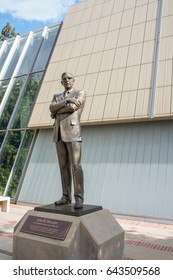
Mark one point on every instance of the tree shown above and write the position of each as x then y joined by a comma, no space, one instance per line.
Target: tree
7,32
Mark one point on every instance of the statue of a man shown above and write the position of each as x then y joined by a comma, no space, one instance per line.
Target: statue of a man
66,109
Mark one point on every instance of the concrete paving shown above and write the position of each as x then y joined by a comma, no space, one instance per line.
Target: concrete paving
143,240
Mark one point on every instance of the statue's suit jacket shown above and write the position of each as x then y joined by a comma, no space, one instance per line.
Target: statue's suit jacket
67,115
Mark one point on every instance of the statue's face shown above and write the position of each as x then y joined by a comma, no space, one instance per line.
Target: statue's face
67,81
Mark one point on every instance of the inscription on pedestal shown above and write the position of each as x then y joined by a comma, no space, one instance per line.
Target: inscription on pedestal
46,227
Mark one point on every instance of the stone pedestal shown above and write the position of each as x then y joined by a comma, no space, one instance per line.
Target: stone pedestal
92,236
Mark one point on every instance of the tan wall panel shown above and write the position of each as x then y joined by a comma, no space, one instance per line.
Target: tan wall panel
88,45
92,28
166,48
82,30
127,105
137,33
111,39
36,115
163,101
131,78
140,14
50,73
135,54
117,80
77,48
145,78
86,110
96,13
166,23
45,117
44,92
167,7
108,106
107,8
55,88
150,30
107,60
103,25
127,18
142,103
99,42
102,83
148,52
124,37
97,108
94,63
86,15
129,4
120,59
82,65
90,83
61,67
152,11
118,6
164,73
115,21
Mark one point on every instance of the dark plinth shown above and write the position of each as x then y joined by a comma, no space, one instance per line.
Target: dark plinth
68,209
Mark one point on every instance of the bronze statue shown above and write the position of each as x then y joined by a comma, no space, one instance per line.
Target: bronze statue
66,109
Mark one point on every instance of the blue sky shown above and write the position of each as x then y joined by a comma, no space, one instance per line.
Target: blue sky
30,15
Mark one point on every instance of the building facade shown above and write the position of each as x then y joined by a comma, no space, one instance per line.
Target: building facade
120,52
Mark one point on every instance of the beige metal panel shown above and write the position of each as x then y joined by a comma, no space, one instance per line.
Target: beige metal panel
150,30
77,48
86,15
163,101
127,104
36,115
164,73
66,51
102,83
148,52
79,82
124,37
63,36
96,12
88,45
140,14
103,24
109,106
72,65
44,92
117,80
152,11
86,110
135,54
56,56
90,83
89,3
94,63
50,72
76,18
92,28
129,4
167,8
82,65
131,80
61,67
99,42
115,21
97,108
127,18
166,23
55,88
111,39
120,59
45,118
82,30
142,103
118,6
107,8
143,2
145,79
166,51
107,60
138,32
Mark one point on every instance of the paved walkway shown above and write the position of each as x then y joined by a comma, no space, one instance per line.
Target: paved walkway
143,240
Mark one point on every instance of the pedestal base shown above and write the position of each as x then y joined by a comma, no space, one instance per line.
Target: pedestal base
94,236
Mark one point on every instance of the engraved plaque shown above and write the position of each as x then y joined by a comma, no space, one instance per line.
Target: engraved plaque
46,227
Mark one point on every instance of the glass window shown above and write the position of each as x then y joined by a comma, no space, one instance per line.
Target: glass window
45,49
19,165
15,57
2,135
5,53
31,54
8,155
10,104
3,87
26,104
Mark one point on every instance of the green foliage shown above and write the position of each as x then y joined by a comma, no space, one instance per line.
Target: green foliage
7,32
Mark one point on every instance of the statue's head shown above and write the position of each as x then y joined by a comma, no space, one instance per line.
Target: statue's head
67,80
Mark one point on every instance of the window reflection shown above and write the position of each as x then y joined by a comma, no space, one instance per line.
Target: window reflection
26,104
5,53
10,104
8,156
2,135
19,165
31,54
15,57
3,87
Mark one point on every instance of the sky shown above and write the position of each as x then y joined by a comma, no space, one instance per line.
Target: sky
31,15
